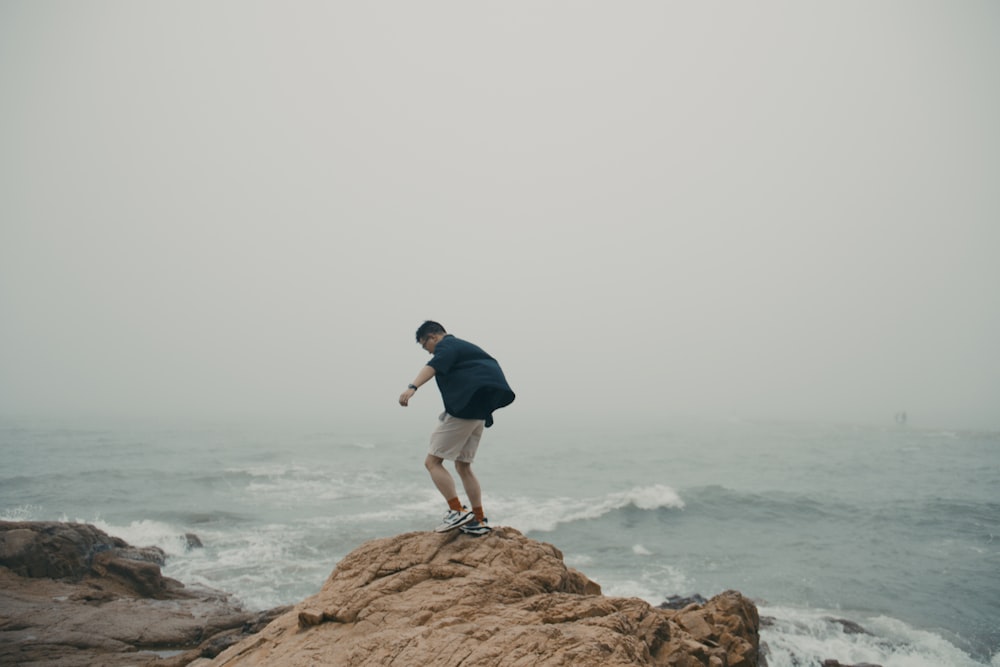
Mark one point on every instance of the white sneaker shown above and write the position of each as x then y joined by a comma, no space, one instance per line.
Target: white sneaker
476,528
453,519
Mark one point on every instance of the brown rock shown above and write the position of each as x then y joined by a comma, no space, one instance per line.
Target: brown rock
72,595
313,617
51,549
142,577
446,599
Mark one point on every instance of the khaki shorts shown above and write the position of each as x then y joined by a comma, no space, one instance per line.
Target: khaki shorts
456,439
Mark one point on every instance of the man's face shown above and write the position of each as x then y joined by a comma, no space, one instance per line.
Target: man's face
430,341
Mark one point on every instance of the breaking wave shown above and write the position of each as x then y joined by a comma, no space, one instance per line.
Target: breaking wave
545,515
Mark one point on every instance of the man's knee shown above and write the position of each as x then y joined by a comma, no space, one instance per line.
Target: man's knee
432,462
463,468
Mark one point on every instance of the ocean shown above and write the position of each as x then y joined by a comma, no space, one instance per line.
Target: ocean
893,528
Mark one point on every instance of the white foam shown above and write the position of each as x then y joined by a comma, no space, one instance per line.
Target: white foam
648,498
640,550
428,504
545,515
145,533
627,588
21,513
288,485
809,636
578,560
654,584
262,567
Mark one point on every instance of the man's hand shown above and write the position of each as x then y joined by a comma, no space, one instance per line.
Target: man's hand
404,398
425,374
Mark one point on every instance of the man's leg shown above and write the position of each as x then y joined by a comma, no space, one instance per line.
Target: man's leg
469,482
442,479
457,515
463,466
478,526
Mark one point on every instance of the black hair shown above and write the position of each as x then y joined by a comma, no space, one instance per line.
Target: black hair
427,328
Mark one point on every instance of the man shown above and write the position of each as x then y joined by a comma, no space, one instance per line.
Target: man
472,387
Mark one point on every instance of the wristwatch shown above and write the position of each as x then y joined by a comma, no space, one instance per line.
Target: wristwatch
411,386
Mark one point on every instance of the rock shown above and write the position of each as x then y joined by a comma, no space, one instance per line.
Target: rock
312,617
73,595
146,554
74,552
678,602
834,663
51,549
192,541
440,600
142,577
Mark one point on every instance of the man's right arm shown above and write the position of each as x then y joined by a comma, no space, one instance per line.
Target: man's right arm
424,376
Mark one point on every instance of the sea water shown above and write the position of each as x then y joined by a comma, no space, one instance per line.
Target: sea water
826,527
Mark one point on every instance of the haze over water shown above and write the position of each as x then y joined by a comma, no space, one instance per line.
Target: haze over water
245,209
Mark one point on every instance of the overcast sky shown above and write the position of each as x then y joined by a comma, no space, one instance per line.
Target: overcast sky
752,210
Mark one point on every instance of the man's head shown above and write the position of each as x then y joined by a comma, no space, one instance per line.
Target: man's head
429,334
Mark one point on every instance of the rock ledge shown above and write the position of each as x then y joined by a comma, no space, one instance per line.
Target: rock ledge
440,600
72,596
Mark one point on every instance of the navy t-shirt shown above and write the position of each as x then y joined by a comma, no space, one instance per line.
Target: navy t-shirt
471,382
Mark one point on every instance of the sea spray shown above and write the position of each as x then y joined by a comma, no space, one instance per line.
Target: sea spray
145,533
529,514
809,636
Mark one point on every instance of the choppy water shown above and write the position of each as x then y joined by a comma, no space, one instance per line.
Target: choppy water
897,529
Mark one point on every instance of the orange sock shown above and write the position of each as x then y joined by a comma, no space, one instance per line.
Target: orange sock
479,513
455,504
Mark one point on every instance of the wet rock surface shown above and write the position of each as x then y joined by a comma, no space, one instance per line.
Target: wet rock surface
72,595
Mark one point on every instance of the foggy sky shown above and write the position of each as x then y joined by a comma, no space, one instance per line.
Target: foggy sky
655,209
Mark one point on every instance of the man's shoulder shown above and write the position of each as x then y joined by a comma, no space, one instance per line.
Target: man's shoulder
451,340
452,349
465,346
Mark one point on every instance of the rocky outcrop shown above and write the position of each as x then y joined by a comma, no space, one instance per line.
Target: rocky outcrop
449,599
69,551
72,595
